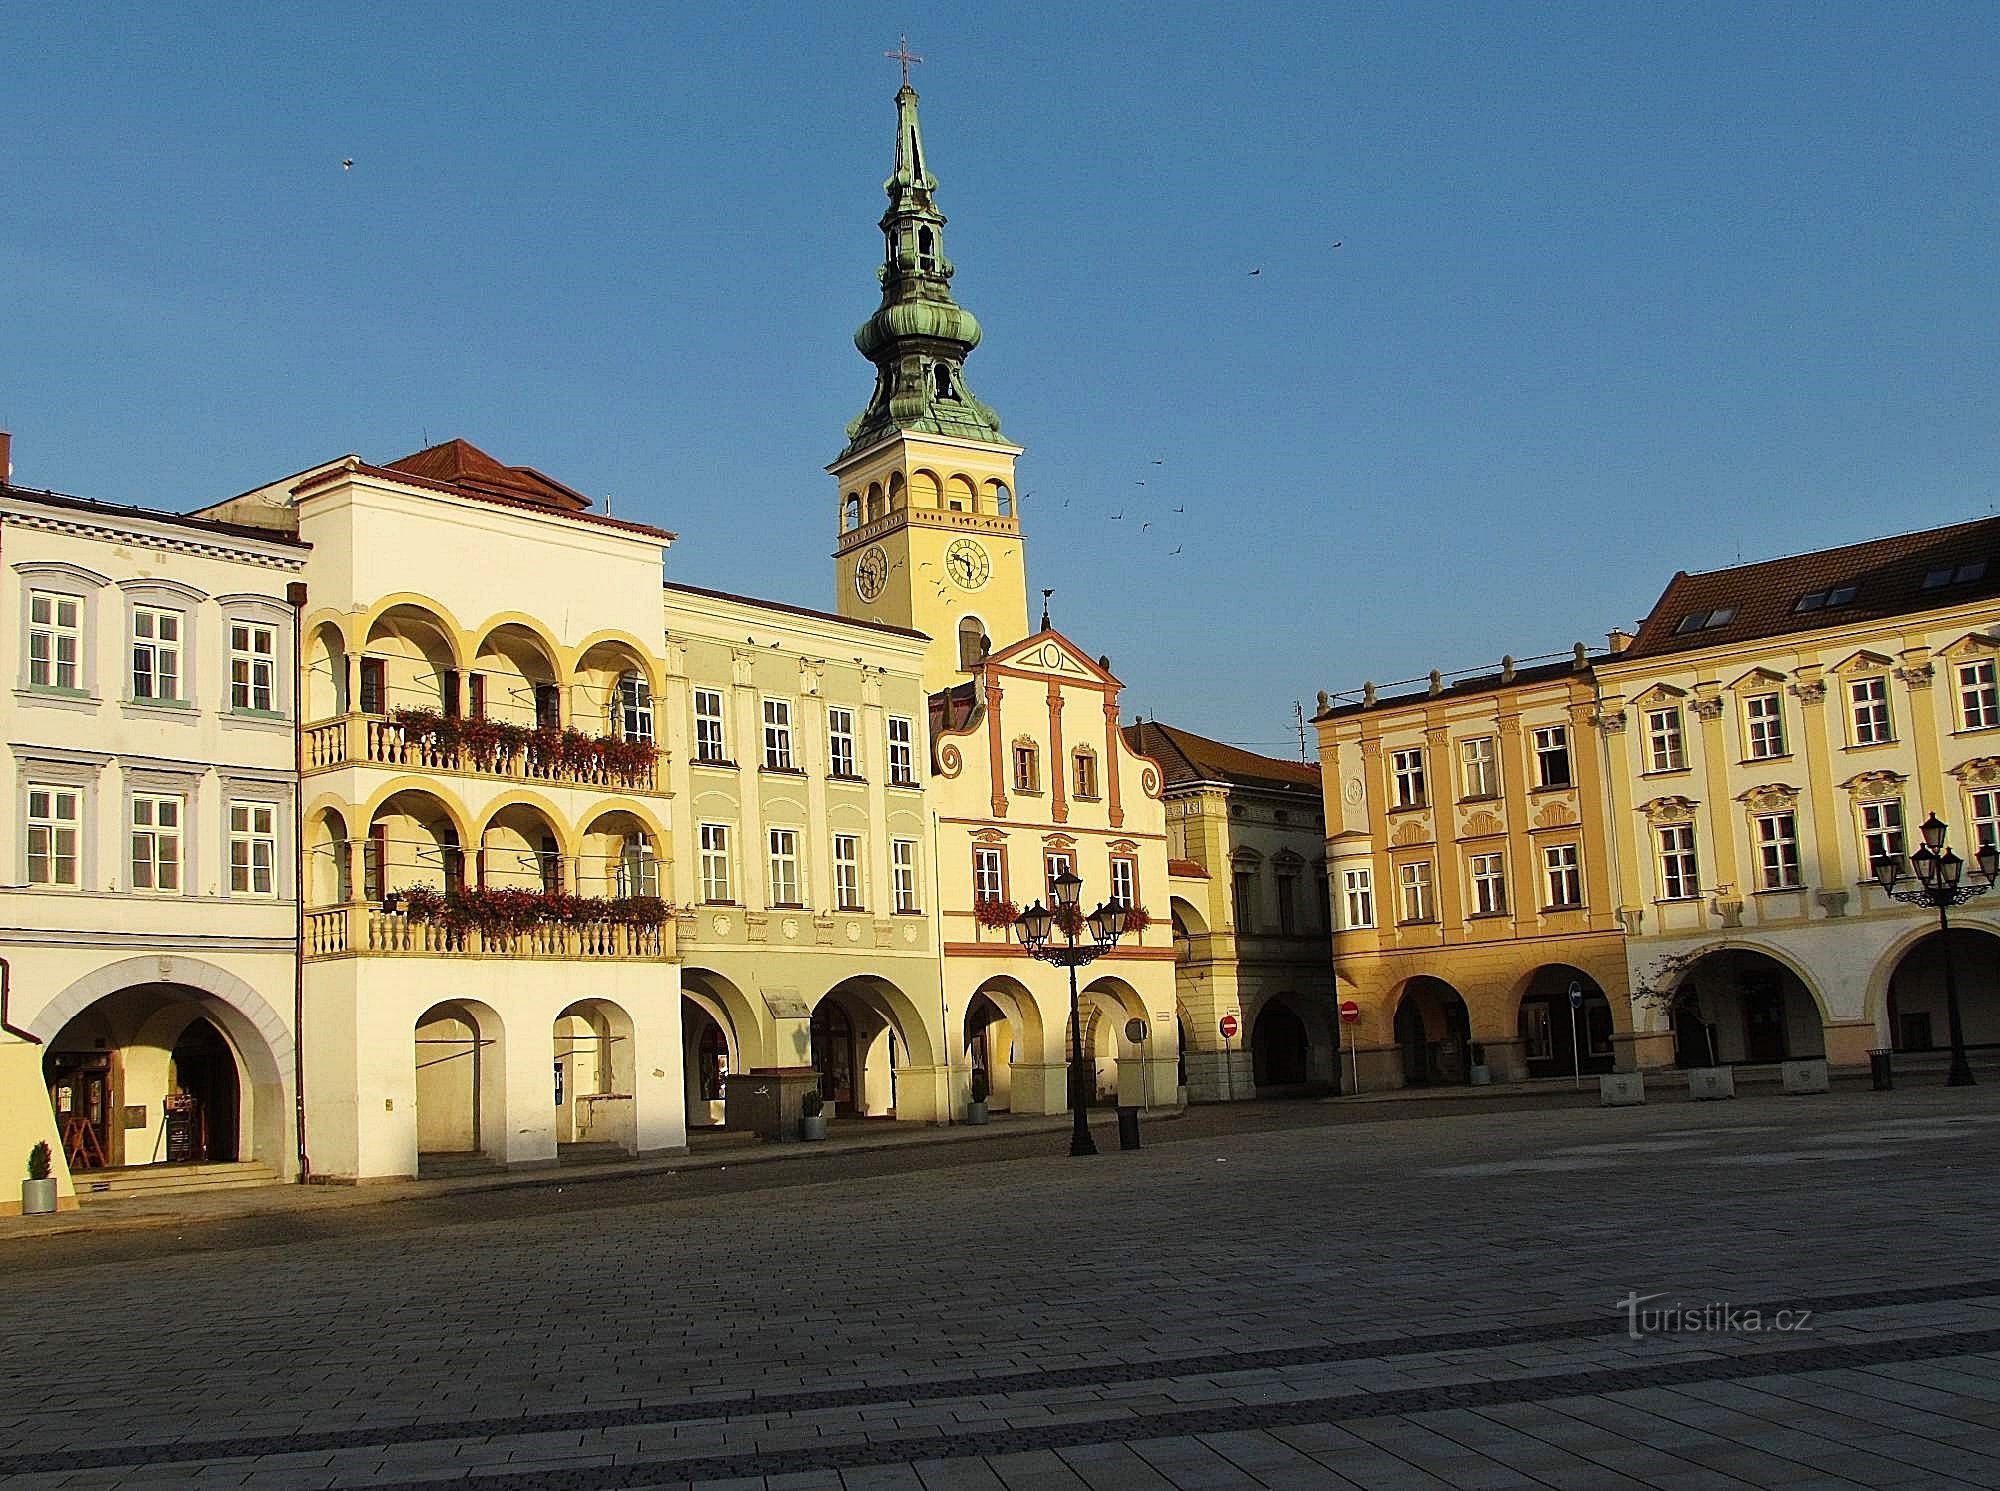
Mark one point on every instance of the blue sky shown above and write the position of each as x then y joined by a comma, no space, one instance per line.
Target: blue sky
1622,289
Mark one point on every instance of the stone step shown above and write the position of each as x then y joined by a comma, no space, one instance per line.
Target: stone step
443,1166
128,1181
591,1152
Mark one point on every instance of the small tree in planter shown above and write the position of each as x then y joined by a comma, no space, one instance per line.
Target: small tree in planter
38,1191
1663,988
976,1110
812,1115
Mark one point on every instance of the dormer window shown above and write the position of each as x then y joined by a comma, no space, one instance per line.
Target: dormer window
1963,574
1826,600
1705,621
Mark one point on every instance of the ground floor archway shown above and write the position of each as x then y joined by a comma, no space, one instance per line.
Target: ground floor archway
1280,1049
863,1034
1433,1033
1738,1005
708,1056
1917,1008
461,1080
594,1088
1565,1024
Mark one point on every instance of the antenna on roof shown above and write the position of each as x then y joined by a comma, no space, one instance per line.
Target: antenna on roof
1299,714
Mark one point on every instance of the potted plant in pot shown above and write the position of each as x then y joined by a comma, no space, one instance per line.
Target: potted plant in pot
812,1115
38,1191
975,1111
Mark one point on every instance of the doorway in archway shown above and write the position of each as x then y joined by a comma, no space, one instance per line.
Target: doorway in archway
1280,1050
833,1055
1434,1030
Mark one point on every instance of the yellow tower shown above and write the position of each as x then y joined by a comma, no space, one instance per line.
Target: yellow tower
929,526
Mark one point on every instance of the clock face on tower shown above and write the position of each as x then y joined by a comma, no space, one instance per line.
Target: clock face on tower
967,564
871,573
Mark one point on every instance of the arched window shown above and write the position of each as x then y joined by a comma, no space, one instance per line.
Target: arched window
925,247
851,514
874,501
942,373
898,498
972,643
1003,500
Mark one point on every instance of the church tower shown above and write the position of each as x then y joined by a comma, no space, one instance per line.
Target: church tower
929,527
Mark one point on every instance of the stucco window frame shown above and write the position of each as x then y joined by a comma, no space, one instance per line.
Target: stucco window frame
185,601
728,857
250,609
911,781
165,781
52,767
799,866
60,577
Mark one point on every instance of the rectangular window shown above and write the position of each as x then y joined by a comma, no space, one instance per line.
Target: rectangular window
1764,726
846,872
1869,699
1552,756
840,757
785,867
1679,880
1124,880
1881,832
1666,749
55,640
156,843
1408,767
1288,905
156,653
1978,695
709,741
715,863
253,848
253,667
903,873
778,734
1055,865
1478,766
1086,775
1537,1031
1027,769
635,708
902,757
1413,880
1243,894
989,875
53,816
374,686
1489,884
1778,850
1357,891
1564,870
1985,819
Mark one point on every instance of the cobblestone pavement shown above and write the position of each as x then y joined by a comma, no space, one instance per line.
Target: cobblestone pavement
1273,1298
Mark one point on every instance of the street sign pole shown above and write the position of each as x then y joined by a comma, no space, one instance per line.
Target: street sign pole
1575,1048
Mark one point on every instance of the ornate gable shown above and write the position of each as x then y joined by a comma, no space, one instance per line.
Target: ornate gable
1052,653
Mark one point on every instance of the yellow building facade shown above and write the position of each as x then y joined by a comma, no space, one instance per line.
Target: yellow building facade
1471,879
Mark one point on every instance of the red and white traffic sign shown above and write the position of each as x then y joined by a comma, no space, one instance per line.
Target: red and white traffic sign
1229,1027
1349,1011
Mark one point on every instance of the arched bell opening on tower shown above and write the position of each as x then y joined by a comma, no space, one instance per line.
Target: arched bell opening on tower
941,375
973,643
926,251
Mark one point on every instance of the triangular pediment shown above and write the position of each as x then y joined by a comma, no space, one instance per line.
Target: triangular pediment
1758,681
1052,653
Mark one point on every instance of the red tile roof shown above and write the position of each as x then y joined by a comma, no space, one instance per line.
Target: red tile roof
481,489
1888,577
1187,757
461,464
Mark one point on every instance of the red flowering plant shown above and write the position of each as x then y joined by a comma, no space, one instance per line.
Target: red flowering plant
993,913
1137,919
506,912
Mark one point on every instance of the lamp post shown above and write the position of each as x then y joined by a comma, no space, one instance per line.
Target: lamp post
1106,925
1938,873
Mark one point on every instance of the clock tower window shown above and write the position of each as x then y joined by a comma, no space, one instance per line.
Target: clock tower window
973,643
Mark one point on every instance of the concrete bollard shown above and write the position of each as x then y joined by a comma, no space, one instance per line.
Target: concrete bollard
1621,1089
1706,1084
1802,1077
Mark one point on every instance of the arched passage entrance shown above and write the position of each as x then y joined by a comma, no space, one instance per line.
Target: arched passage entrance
1280,1050
1918,1019
1558,1038
188,1070
863,1033
595,1102
461,1081
1434,1030
1736,1004
1003,1026
1115,1069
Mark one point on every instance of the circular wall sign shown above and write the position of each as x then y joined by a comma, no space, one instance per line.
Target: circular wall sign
1229,1027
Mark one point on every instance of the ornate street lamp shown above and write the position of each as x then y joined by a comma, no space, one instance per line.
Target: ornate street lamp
1938,874
1105,925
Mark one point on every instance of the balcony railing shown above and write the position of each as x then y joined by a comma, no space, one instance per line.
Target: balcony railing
369,932
370,739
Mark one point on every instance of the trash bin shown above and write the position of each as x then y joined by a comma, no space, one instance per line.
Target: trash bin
1128,1128
1879,1070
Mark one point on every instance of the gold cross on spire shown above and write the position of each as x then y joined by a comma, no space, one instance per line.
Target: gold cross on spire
903,55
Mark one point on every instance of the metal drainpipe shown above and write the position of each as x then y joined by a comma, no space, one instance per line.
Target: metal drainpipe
936,920
6,987
296,594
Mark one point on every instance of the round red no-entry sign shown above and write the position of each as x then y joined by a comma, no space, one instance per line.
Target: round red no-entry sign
1229,1027
1349,1011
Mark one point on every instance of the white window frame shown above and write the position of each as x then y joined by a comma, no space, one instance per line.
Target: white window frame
715,867
1679,867
157,843
1777,836
1666,740
1551,747
1357,891
989,873
847,873
253,670
1978,694
1869,718
634,696
1414,892
1054,863
1406,769
1764,726
1478,768
161,654
253,847
778,735
1488,875
902,751
1983,811
1562,875
53,828
1125,879
711,736
1881,832
51,632
785,887
903,875
843,757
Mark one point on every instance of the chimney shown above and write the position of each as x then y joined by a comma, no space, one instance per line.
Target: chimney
1618,639
6,459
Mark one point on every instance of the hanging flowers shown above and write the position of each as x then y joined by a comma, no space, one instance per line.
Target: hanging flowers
507,912
993,913
544,750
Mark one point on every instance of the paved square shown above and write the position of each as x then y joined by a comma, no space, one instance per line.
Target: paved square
1397,1295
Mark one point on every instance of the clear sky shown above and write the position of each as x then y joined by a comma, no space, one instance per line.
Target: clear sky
1621,288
